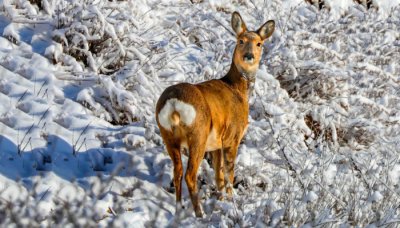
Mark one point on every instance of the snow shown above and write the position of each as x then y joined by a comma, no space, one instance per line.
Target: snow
79,143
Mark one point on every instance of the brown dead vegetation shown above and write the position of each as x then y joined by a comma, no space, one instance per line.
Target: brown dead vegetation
368,4
356,132
320,4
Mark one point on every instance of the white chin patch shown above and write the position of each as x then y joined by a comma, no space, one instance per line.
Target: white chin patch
186,111
249,61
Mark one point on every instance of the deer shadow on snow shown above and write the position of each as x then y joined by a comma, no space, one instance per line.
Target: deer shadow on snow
60,158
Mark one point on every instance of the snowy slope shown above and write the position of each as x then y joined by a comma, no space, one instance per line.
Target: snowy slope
79,144
51,144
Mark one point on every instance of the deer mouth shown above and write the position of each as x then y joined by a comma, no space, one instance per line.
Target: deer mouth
248,58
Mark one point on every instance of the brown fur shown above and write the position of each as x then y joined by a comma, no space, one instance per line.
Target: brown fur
221,116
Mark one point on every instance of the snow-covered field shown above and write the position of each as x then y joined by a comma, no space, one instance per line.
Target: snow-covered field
79,144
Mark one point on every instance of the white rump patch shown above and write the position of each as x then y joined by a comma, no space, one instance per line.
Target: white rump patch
186,112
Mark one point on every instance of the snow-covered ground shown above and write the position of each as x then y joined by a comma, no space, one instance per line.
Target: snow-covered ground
79,144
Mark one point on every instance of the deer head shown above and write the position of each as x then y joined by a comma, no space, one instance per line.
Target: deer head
248,49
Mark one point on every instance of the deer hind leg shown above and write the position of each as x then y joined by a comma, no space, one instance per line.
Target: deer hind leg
174,153
230,157
218,165
196,155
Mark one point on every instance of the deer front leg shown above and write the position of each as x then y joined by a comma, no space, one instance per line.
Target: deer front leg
230,157
218,165
196,155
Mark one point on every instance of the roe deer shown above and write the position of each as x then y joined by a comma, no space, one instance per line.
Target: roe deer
212,115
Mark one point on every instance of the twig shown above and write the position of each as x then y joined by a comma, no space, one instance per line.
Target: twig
111,211
230,31
29,140
282,149
397,221
84,140
45,93
19,145
78,79
25,21
326,190
290,15
22,96
80,135
376,179
44,194
41,87
44,114
356,168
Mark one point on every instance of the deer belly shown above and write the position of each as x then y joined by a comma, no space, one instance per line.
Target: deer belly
213,141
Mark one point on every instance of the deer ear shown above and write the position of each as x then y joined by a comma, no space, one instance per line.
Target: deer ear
266,29
238,24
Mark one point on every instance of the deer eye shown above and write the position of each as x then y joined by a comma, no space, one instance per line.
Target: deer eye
258,44
241,42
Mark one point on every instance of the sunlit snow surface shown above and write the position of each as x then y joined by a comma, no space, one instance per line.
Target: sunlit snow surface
322,147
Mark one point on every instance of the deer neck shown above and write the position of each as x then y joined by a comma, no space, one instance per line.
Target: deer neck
241,80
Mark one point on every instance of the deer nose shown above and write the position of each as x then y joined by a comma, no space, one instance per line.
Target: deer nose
248,57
